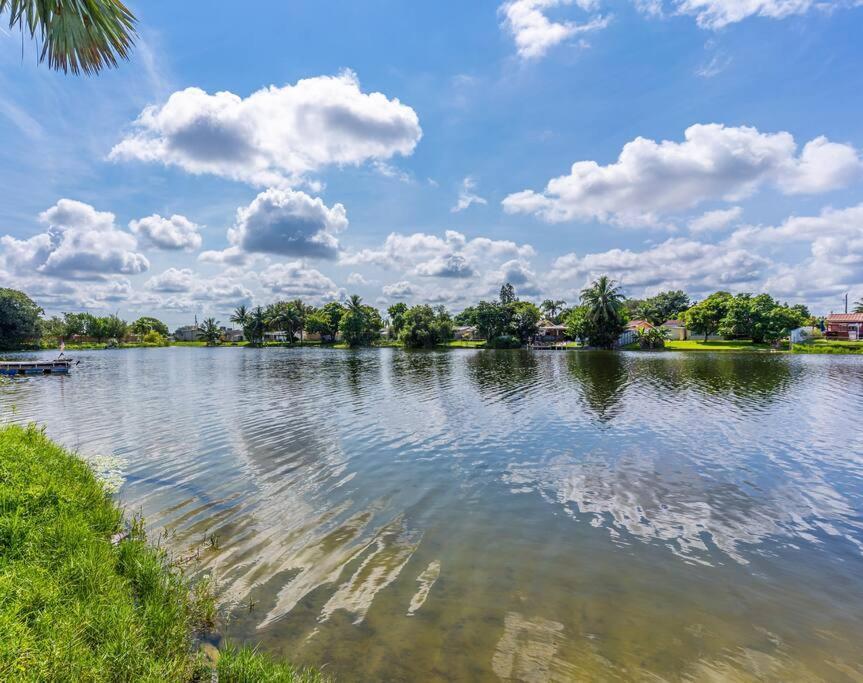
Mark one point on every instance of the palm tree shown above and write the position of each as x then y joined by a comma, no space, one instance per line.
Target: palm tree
76,35
552,307
604,303
603,299
257,323
858,306
210,331
355,304
302,313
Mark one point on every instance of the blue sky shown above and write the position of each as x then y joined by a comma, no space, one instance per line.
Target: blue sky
430,151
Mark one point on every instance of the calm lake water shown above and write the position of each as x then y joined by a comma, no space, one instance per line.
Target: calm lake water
481,515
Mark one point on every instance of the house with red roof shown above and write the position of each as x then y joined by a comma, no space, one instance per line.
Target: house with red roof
845,326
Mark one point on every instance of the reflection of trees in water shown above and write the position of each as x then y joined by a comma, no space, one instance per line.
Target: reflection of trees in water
730,376
417,370
502,371
602,377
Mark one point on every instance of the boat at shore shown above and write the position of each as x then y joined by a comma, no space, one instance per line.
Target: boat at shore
58,366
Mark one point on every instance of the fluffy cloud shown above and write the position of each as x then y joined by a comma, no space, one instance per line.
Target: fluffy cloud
276,135
676,263
835,263
296,279
286,223
399,290
453,256
535,34
715,220
176,232
172,280
651,178
80,243
715,14
467,196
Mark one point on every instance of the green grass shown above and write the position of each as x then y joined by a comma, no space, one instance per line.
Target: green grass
721,345
829,346
464,344
74,606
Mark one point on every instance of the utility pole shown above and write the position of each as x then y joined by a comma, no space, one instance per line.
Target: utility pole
846,302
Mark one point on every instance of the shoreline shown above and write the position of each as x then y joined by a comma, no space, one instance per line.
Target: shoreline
87,596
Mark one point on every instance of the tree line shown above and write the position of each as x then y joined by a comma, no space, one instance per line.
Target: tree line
598,320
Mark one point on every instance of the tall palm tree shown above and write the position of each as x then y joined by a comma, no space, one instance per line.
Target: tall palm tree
258,323
552,307
858,306
302,314
76,35
210,331
603,299
355,304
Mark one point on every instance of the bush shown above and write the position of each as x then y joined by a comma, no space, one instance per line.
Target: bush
153,338
504,341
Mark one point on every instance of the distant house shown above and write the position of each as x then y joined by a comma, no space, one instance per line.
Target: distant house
634,325
230,335
187,333
675,329
276,336
845,326
549,331
464,333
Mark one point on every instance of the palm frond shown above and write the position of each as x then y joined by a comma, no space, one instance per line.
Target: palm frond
76,35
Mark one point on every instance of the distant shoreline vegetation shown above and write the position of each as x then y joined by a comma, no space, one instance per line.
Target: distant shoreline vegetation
603,318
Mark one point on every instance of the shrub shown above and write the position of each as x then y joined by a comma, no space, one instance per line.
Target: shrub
503,341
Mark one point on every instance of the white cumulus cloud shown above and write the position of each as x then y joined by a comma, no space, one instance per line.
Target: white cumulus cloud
276,135
535,34
79,243
467,196
176,232
651,179
710,221
296,279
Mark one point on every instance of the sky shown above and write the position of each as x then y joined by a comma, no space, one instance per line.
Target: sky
427,152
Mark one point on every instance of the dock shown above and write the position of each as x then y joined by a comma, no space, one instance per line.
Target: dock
548,346
59,366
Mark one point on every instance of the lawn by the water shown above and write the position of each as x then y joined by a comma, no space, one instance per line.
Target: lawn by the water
718,345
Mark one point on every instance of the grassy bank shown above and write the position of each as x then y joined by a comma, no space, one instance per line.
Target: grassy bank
719,345
829,346
74,605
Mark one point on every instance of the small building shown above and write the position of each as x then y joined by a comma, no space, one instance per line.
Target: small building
549,331
187,333
464,333
845,326
230,335
276,336
635,325
675,329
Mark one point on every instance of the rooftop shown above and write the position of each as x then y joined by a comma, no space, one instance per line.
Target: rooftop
845,318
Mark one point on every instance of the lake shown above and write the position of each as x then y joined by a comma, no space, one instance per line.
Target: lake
487,515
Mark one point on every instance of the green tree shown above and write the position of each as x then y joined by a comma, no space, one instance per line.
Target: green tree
706,316
605,312
396,312
858,306
466,317
257,326
153,338
75,324
114,327
76,35
507,294
360,325
577,323
146,324
523,320
553,308
664,306
425,327
760,318
491,319
325,321
19,319
651,337
210,332
242,317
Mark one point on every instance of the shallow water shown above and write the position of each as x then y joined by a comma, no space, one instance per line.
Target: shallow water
480,515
